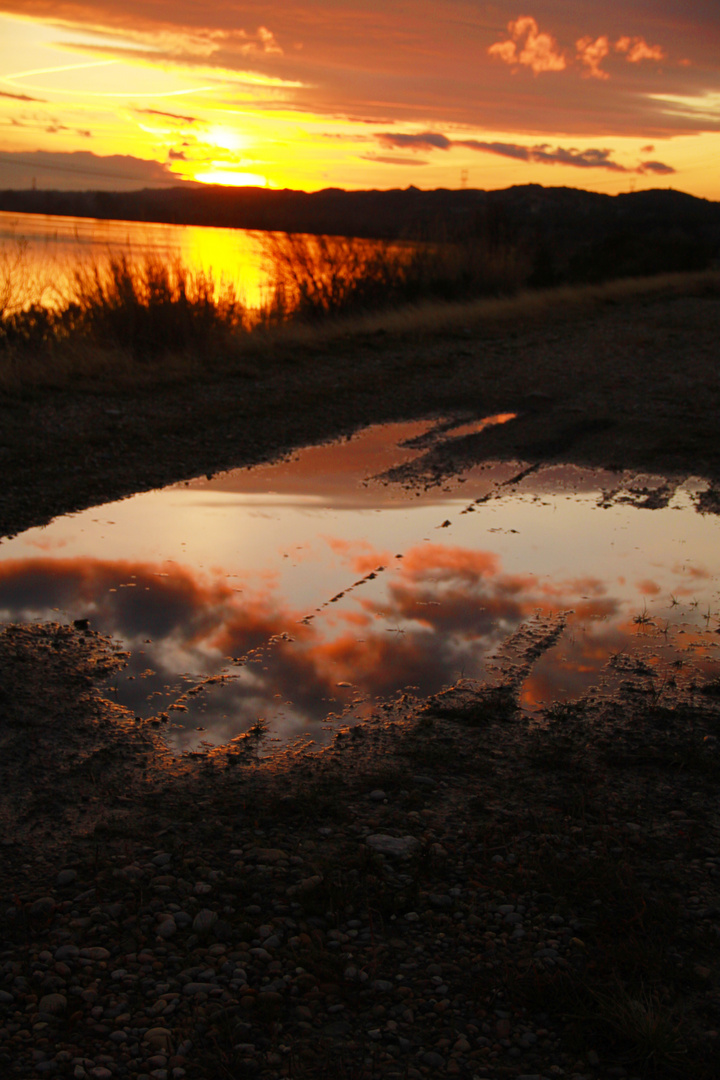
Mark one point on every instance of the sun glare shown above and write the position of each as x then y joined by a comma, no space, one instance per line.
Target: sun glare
226,138
232,179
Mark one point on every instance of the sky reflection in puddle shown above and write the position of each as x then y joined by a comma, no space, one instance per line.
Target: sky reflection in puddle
304,593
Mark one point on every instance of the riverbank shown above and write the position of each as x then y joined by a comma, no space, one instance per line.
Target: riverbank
452,889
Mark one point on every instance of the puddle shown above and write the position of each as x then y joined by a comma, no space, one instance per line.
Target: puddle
306,593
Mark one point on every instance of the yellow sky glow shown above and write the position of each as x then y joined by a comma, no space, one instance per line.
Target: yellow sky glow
229,106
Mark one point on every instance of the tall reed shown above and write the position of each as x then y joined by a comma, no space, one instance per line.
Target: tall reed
313,277
151,309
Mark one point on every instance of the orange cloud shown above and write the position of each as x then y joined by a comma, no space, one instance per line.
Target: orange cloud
529,48
637,49
359,554
591,54
648,587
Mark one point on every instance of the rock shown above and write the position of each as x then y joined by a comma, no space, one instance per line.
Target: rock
270,855
424,781
305,886
53,1004
400,846
95,953
159,1038
269,1001
66,952
167,928
66,877
204,921
42,908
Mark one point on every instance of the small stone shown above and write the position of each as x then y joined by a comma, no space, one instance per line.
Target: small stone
270,855
66,952
377,795
42,908
65,877
269,1000
53,1004
167,928
159,1038
204,921
400,846
95,953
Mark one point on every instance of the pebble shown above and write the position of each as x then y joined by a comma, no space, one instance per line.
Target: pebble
401,846
307,948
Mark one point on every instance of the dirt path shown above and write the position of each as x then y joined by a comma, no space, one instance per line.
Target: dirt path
634,385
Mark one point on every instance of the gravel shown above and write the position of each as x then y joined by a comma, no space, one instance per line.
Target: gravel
314,950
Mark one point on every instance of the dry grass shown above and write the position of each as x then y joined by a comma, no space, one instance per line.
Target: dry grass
125,325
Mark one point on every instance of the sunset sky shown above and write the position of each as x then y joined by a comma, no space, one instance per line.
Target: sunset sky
308,94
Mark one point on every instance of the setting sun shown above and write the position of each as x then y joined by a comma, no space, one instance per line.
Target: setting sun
230,178
226,138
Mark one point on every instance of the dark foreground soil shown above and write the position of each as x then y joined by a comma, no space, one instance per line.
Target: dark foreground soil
450,889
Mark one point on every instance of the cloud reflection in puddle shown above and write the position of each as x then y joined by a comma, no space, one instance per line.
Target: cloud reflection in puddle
307,594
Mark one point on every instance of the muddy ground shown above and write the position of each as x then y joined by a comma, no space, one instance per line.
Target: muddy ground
631,386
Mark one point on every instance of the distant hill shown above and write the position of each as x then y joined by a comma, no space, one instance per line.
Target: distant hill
568,233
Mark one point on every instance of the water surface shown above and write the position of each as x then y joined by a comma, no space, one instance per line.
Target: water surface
309,591
40,252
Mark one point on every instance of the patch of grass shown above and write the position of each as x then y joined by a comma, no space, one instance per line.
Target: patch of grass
648,1031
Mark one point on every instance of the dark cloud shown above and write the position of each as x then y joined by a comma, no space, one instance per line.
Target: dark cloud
428,140
656,167
394,160
511,150
168,115
541,154
82,170
581,159
19,97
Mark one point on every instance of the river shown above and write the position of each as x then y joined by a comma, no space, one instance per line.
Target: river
40,253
